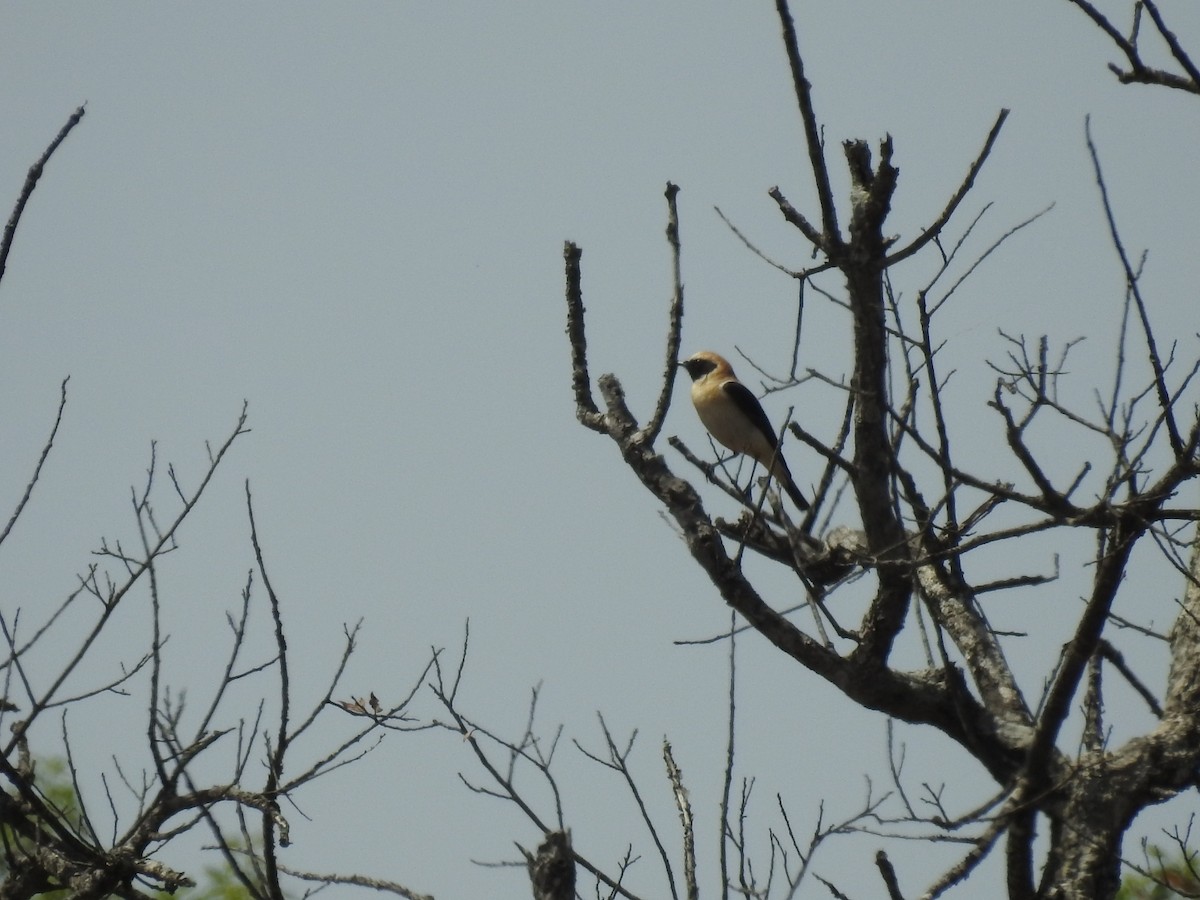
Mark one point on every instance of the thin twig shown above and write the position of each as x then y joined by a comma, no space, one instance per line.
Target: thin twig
37,469
829,239
1160,384
936,228
31,180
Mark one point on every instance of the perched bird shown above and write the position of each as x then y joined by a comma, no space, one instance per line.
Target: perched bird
733,415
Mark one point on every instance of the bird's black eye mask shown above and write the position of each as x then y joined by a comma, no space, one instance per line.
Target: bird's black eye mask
698,368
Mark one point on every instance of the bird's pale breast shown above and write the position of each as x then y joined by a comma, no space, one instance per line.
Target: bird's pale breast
724,420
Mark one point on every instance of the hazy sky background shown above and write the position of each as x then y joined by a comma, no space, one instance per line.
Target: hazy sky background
353,215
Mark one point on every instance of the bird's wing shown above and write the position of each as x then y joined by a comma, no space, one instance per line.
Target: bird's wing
749,405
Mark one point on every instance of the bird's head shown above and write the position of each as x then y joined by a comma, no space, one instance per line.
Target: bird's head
705,363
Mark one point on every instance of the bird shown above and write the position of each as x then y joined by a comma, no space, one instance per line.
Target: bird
733,415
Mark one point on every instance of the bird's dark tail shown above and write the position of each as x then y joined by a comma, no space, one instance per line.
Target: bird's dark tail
784,476
794,493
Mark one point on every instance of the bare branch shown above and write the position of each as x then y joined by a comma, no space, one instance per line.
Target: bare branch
585,407
829,240
683,804
277,753
31,180
1177,51
37,469
934,230
1139,72
375,884
654,426
1164,397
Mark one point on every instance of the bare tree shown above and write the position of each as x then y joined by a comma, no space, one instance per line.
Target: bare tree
113,844
914,514
901,516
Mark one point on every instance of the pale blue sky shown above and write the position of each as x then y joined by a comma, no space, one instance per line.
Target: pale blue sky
352,216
